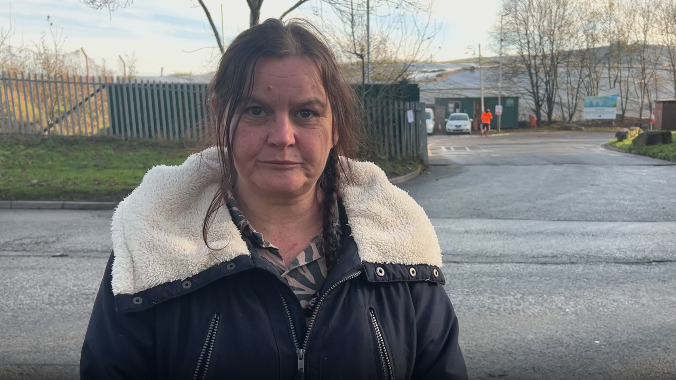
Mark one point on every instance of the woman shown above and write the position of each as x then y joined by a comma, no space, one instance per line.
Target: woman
308,265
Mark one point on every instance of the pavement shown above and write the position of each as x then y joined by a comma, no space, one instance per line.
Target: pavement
559,258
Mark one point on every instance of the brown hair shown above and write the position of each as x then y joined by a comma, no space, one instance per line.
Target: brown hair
233,83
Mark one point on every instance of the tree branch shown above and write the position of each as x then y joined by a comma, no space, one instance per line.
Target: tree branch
213,27
298,4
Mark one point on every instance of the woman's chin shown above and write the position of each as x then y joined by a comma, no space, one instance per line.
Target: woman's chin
281,187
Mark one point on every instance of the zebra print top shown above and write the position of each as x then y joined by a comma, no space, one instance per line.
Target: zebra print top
307,272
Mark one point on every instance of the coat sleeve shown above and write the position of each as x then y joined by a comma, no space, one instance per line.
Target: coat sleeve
117,345
438,354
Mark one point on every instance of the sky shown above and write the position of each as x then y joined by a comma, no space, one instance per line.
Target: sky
173,36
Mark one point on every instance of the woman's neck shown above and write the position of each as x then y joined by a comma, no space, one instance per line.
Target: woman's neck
287,223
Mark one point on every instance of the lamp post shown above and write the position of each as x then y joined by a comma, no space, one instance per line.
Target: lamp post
500,75
481,76
481,81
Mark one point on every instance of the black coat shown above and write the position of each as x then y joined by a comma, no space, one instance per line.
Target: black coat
238,320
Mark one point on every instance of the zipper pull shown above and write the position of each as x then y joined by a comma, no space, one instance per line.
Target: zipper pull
301,362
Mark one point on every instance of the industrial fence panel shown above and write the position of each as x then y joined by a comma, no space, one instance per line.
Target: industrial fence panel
141,109
101,106
395,128
53,104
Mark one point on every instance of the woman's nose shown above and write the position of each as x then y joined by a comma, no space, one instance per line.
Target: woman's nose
282,133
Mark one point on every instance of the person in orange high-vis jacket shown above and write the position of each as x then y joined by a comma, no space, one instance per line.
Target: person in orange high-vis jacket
486,122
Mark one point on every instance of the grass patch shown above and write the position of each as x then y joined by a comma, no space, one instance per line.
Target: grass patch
79,169
662,151
100,169
395,167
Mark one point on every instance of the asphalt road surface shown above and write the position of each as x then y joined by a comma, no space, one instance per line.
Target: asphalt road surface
559,256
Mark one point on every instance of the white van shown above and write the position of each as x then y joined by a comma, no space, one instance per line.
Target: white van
429,120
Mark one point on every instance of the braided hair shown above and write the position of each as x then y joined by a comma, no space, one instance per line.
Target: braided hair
330,233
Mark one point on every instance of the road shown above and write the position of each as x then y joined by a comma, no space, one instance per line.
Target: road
559,258
560,255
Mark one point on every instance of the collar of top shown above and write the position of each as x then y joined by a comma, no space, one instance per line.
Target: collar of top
157,229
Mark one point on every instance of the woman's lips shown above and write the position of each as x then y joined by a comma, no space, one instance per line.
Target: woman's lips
281,163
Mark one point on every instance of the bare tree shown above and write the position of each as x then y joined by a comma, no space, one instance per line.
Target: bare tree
540,35
399,36
643,38
666,27
112,5
6,33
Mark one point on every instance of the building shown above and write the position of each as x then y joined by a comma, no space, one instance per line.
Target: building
472,107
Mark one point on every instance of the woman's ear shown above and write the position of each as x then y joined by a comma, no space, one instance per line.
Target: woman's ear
336,136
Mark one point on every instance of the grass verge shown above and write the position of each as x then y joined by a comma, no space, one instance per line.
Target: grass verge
395,167
79,169
100,169
663,151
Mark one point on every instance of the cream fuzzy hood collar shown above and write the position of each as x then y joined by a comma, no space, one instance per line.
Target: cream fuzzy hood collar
157,229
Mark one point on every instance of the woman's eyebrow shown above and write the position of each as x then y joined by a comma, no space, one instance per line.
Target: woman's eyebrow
300,103
310,102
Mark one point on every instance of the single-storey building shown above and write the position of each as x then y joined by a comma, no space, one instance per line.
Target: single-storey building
472,107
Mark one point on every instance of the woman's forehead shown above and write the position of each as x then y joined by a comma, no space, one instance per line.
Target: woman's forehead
287,71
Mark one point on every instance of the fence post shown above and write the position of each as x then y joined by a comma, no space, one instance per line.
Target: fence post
27,123
91,99
7,127
156,103
105,104
208,112
76,81
98,93
143,118
162,100
181,109
423,138
34,128
18,101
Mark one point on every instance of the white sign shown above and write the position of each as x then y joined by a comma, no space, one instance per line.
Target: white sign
498,110
612,91
600,107
409,114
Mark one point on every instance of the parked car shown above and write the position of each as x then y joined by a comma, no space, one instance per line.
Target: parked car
429,120
459,123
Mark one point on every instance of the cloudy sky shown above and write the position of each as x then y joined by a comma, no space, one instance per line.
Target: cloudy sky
175,35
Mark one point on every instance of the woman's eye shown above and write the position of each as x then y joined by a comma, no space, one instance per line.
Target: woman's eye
306,114
256,111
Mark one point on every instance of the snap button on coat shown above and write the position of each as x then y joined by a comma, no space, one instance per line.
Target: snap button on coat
380,271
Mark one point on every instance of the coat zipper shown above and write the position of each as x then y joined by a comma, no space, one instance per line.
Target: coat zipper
388,373
300,351
205,355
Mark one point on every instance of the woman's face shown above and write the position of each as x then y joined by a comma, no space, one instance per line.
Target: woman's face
285,132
